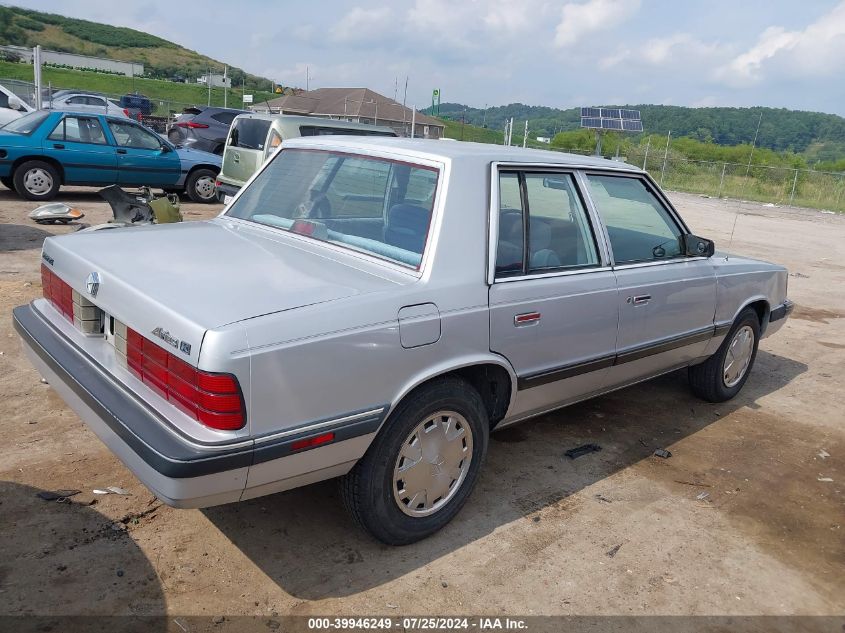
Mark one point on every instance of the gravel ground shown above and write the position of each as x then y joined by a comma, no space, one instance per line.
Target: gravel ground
616,532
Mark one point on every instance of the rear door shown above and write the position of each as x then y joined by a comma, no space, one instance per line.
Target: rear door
142,158
244,151
553,309
666,300
80,145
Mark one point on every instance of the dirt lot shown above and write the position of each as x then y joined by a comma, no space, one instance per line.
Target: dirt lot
615,532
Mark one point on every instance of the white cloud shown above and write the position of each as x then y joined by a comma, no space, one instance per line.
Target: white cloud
361,25
818,49
661,50
582,19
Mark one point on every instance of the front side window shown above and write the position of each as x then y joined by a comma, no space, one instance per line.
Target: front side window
543,211
134,136
76,129
375,205
639,226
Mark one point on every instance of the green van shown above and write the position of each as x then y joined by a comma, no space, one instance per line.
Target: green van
254,137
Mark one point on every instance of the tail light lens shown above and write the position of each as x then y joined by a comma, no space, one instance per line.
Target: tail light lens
212,399
57,292
126,112
191,124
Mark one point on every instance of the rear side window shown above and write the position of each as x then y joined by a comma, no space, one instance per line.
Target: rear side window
543,211
225,118
77,129
249,133
315,130
640,228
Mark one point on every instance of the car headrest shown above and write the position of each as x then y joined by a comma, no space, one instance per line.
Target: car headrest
539,234
407,225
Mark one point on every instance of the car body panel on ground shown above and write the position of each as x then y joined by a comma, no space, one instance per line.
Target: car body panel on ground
351,274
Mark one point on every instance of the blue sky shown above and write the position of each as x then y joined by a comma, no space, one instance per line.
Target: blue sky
582,52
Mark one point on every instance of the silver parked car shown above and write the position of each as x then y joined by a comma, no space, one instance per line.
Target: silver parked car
372,308
83,102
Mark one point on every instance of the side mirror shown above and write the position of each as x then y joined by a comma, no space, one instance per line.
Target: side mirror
165,149
695,246
15,103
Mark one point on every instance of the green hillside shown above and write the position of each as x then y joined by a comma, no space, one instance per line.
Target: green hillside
161,58
780,129
166,95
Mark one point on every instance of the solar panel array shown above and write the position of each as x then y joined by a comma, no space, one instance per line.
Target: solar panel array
611,119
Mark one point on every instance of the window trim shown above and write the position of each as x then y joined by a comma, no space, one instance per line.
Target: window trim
655,190
64,139
593,222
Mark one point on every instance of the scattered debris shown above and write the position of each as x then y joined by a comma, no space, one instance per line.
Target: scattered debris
662,452
392,606
112,490
612,551
218,619
799,275
826,479
120,573
703,496
44,381
57,495
602,499
536,519
697,484
180,625
61,568
641,441
444,584
580,451
824,454
274,625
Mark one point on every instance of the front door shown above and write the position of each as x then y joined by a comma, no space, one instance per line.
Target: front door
553,309
142,157
80,146
666,300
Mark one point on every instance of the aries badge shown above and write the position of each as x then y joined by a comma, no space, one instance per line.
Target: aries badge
92,284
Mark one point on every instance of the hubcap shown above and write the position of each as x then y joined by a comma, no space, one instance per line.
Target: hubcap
739,356
432,463
37,181
204,187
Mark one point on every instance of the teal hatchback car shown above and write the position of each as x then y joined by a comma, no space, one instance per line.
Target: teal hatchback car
43,150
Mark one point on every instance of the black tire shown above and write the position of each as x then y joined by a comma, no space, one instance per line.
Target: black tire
196,188
707,380
367,490
48,177
8,182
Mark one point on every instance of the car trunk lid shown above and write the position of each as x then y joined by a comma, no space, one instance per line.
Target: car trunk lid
182,279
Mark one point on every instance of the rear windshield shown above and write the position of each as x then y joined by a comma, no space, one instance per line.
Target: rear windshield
249,133
26,124
315,130
379,206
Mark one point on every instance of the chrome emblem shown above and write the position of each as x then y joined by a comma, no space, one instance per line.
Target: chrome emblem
92,284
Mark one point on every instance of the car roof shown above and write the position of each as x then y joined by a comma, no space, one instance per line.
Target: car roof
439,150
313,120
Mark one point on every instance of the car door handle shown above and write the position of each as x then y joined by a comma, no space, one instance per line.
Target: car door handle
639,300
121,151
58,146
528,318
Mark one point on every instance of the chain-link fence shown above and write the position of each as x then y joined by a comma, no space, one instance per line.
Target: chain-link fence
155,113
776,185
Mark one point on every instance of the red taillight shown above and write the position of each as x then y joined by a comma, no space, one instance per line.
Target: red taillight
213,399
57,292
191,124
126,112
311,442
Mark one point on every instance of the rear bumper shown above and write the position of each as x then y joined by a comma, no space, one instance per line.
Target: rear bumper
180,471
225,189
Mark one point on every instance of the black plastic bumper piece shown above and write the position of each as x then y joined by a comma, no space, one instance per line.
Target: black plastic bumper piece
782,311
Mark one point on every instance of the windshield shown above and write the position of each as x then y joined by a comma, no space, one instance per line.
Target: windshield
26,124
379,206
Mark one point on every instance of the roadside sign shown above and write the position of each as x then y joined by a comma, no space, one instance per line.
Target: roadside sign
247,98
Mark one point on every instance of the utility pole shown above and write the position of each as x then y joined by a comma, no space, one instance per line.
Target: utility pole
665,155
36,67
525,134
463,121
225,86
753,143
484,117
208,81
413,121
307,79
648,145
